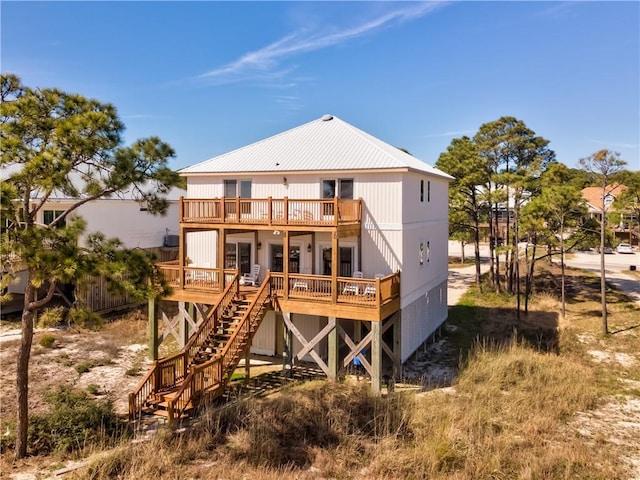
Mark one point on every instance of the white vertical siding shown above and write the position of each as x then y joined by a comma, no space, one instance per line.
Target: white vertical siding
123,219
421,318
202,248
264,341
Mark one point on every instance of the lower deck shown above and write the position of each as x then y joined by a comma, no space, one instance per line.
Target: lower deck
370,299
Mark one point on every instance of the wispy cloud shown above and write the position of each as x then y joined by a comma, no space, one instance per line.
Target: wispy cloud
558,10
266,61
144,116
448,134
614,144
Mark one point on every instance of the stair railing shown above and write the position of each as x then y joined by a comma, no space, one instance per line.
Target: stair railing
208,380
169,371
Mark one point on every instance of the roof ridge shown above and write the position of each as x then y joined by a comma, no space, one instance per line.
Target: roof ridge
369,139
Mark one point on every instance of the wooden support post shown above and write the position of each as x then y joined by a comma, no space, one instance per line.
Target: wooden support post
222,239
397,346
333,350
247,363
153,329
182,255
187,323
376,357
313,254
335,267
287,346
285,263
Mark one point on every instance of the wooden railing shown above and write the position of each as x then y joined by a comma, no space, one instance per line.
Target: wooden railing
270,211
194,278
350,291
209,379
170,371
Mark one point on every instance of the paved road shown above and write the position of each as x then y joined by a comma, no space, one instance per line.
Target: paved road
461,278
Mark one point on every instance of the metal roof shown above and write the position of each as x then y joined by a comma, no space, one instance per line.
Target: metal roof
6,171
325,144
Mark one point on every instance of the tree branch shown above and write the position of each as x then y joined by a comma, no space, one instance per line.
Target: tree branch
42,302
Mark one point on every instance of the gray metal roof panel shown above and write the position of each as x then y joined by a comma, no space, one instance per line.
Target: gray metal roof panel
320,145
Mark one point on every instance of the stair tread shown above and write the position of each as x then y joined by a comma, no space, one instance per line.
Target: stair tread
212,346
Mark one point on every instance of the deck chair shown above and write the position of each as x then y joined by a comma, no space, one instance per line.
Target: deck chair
300,285
370,290
352,288
251,278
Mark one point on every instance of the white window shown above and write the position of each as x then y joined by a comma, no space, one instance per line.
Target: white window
50,215
345,188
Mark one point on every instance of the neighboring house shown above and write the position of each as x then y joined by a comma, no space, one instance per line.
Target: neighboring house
120,216
622,228
349,232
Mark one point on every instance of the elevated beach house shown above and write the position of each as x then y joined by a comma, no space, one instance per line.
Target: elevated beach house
319,244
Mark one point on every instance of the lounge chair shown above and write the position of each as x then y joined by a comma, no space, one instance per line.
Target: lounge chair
251,278
353,288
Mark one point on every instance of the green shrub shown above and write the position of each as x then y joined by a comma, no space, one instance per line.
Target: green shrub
52,317
74,421
83,318
47,341
93,389
84,367
133,372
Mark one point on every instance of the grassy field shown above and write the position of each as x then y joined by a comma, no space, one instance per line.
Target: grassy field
540,397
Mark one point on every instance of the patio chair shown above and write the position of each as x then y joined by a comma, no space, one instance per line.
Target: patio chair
370,290
200,276
353,288
300,285
251,278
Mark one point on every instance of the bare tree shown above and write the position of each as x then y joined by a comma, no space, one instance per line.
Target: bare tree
603,163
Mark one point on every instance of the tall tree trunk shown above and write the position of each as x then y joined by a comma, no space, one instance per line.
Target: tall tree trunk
516,262
476,242
529,282
603,280
562,286
497,262
462,250
492,246
22,376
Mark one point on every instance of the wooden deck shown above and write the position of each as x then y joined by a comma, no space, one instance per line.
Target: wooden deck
342,215
345,297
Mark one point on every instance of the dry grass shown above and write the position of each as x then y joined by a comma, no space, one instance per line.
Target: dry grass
532,401
506,419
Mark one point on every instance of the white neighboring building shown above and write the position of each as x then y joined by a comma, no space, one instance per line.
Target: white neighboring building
122,217
402,227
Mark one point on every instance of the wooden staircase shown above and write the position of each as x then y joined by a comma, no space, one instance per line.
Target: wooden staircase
201,371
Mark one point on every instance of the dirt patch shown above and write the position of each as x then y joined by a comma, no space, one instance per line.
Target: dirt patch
621,358
107,360
617,423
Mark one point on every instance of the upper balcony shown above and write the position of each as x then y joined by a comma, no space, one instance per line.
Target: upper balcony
286,213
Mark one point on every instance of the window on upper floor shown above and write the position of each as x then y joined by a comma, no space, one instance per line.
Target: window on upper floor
50,215
422,190
608,200
428,190
235,188
345,188
345,191
231,189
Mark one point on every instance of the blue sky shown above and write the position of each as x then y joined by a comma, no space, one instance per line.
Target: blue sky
209,77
